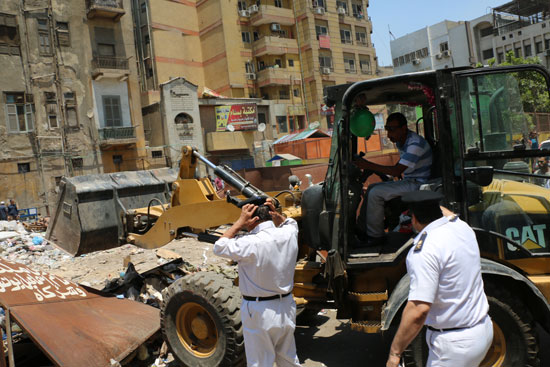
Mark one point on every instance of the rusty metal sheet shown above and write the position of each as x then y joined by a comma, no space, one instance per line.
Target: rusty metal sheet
72,324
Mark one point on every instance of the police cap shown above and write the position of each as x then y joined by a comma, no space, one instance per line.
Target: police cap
422,201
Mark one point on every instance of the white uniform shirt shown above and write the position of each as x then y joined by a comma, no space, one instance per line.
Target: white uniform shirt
446,272
266,257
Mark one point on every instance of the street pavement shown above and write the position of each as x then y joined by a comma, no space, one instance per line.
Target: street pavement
330,342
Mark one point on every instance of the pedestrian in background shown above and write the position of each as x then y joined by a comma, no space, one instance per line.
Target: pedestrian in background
446,289
3,211
267,258
542,169
219,184
13,213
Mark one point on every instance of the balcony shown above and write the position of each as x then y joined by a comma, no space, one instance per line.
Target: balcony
225,140
267,14
110,67
117,136
110,9
271,45
277,76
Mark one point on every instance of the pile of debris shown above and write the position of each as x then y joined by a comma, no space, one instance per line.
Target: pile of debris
127,272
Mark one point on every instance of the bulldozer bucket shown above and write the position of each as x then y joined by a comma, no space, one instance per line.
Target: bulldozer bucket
88,215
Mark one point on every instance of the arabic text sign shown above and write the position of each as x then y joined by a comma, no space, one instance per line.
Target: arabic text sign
19,284
240,116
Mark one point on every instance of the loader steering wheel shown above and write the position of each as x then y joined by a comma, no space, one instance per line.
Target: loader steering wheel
366,173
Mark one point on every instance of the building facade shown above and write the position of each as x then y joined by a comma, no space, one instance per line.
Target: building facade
281,51
70,95
520,26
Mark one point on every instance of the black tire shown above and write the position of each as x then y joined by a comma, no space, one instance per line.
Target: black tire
214,301
515,321
517,334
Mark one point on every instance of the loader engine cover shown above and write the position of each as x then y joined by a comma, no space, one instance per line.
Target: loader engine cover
90,209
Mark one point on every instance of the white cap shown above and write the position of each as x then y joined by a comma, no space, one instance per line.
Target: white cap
2,202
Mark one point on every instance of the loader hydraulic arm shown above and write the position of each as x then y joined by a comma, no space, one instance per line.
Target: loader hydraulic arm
244,187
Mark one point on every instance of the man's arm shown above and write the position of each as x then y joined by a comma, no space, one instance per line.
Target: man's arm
412,320
232,248
394,171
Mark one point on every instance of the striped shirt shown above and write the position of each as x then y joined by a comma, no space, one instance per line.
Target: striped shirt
416,154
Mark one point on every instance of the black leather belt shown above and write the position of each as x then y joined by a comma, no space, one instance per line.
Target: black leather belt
450,329
269,298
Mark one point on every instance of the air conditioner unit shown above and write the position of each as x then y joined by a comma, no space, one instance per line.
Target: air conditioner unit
416,62
341,11
244,13
253,9
250,76
319,10
447,53
275,27
438,56
325,71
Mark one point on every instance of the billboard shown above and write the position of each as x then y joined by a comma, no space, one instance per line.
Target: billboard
240,116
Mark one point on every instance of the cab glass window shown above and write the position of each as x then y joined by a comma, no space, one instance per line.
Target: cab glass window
501,110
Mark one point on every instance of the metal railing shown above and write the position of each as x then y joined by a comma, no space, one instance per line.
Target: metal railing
114,133
110,62
104,3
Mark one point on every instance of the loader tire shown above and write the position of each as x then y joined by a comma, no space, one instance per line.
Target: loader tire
514,342
201,321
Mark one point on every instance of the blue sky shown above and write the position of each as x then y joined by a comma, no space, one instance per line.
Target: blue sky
403,17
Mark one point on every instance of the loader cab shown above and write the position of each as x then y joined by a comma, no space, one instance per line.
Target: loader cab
475,121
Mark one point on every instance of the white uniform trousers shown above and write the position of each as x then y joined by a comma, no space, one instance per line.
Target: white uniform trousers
460,348
379,193
268,328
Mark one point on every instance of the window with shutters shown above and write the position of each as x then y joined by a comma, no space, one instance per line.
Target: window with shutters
321,30
349,63
325,62
361,35
71,116
78,163
364,64
345,36
112,111
19,112
63,36
44,41
51,109
245,37
9,37
23,167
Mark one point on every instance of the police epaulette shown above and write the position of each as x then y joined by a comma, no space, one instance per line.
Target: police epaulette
420,242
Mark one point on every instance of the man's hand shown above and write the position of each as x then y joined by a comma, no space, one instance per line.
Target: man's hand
393,361
247,218
276,217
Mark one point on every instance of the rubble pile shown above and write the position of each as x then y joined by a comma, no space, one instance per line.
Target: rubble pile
126,271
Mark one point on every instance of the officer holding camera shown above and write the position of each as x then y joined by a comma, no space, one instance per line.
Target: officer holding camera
266,257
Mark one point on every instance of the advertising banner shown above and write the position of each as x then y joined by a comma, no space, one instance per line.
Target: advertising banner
240,116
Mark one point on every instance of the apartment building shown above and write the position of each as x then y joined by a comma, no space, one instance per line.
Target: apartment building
522,26
281,51
70,96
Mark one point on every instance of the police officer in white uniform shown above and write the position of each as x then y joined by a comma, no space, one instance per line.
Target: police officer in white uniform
446,290
267,258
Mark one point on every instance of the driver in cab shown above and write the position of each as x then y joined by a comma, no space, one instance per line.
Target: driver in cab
414,165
